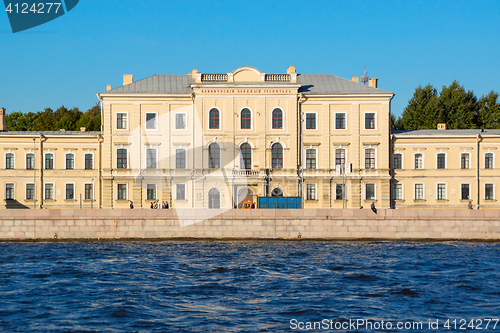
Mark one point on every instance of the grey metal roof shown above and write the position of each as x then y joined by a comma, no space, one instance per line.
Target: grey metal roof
315,84
49,133
431,132
325,84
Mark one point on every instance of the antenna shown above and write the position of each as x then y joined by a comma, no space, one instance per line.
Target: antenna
364,77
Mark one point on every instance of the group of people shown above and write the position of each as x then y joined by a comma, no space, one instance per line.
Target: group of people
159,205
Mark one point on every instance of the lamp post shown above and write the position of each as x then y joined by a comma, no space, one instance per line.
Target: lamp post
34,175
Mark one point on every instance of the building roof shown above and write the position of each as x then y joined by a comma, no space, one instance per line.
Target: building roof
452,132
314,84
48,133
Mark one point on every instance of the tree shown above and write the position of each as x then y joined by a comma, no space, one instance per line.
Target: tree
489,111
91,119
67,119
422,111
458,108
17,121
45,121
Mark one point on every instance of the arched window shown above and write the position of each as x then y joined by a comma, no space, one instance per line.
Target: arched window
246,156
277,119
277,156
277,193
214,198
246,119
214,119
214,156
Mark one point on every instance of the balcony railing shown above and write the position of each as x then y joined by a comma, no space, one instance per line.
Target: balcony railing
278,77
214,77
245,172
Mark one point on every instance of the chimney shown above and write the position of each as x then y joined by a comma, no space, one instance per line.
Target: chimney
291,69
3,124
108,87
128,79
82,129
441,126
193,73
355,79
372,82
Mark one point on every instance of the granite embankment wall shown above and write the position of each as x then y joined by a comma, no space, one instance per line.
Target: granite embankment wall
342,224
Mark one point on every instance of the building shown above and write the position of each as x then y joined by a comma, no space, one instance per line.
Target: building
216,140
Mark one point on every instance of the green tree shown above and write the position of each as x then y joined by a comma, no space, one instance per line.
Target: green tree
489,111
422,111
458,108
91,119
67,119
18,121
45,121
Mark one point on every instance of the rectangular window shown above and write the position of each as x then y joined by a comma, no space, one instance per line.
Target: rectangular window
310,158
89,161
370,191
310,120
49,191
151,158
488,161
370,158
49,161
70,161
180,121
181,191
398,191
122,192
419,191
488,191
340,121
369,120
121,158
9,191
464,161
121,121
465,194
339,191
180,159
70,191
339,156
441,195
398,161
151,192
441,161
419,161
311,192
9,161
89,191
150,120
30,191
30,161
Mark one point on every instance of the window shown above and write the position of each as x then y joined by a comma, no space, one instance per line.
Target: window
246,156
89,191
214,119
277,116
151,192
419,191
121,121
49,161
465,193
181,191
70,161
277,192
398,191
464,161
310,158
488,191
277,156
441,161
30,161
398,161
122,192
89,161
441,191
369,191
214,199
339,156
488,161
369,158
310,120
419,161
310,191
180,158
246,119
369,120
9,161
70,191
339,191
9,191
180,121
214,156
49,191
30,191
151,158
121,158
340,121
150,120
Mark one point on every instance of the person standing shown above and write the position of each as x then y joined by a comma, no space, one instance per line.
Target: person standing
470,205
131,205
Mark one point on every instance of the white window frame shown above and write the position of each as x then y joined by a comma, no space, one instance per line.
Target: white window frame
93,160
374,191
283,149
53,191
66,160
271,118
414,191
346,155
146,158
315,186
14,160
484,160
335,190
116,121
220,119
335,121
364,121
185,120
14,190
445,160
93,192
116,159
305,158
241,155
494,191
74,191
185,192
252,119
156,191
53,160
175,159
402,191
402,161
460,159
26,190
126,191
34,160
376,157
470,191
155,129
316,124
423,161
445,190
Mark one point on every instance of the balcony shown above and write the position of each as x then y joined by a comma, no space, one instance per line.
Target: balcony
246,173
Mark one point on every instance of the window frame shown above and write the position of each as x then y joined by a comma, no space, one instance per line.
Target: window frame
85,160
375,122
422,155
85,191
345,121
185,121
120,191
415,191
147,159
184,192
492,160
365,185
282,158
45,161
66,191
492,198
312,191
307,159
219,119
13,160
251,119
185,159
155,128
395,191
315,113
243,159
335,156
45,191
282,119
26,191
401,158
120,159
213,159
127,121
13,192
445,159
438,194
33,160
468,190
342,187
71,164
374,158
155,196
467,160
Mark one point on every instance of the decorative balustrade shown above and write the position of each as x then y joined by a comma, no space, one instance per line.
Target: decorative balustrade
245,172
278,77
214,77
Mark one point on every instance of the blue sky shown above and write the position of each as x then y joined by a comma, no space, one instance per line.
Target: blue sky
404,44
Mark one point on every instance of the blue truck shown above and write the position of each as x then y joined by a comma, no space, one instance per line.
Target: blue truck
280,202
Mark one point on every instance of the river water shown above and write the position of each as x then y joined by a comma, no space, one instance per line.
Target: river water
248,286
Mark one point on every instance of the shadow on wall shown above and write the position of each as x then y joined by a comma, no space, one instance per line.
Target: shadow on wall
14,204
